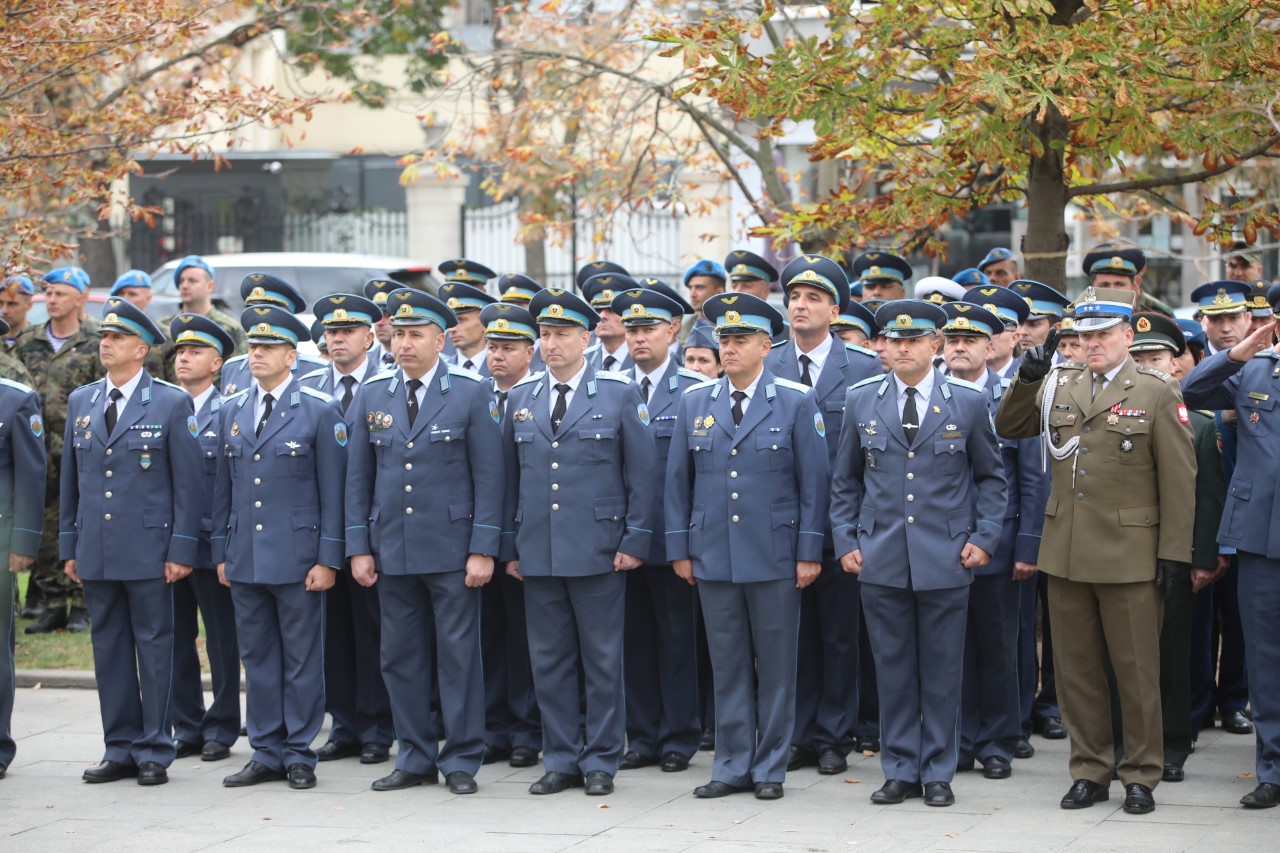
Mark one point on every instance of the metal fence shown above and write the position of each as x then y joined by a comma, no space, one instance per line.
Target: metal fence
646,243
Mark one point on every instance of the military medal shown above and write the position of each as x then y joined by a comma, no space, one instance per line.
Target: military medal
386,421
145,461
1126,445
1253,418
697,423
708,421
1113,419
235,429
1063,380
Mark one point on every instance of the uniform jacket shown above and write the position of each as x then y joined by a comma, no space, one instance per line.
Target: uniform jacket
131,500
912,509
1027,485
74,365
1211,488
22,461
12,369
747,503
577,497
664,404
236,376
161,360
421,498
595,356
278,504
208,424
1127,496
1249,521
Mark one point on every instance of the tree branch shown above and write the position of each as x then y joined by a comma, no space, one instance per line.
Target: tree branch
1172,180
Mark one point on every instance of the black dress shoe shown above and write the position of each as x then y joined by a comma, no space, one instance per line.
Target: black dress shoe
3,768
523,756
713,790
53,619
801,757
831,762
461,782
674,762
374,753
1051,728
333,750
398,780
598,783
1172,773
300,777
769,790
1138,799
1237,723
1023,749
634,761
1265,796
896,791
78,621
253,774
996,767
185,748
553,783
110,771
866,744
708,741
1083,794
938,794
152,773
494,754
214,751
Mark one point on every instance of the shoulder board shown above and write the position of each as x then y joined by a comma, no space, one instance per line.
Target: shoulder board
614,375
319,395
1070,365
215,403
1266,353
227,398
972,386
691,374
863,350
705,383
870,380
234,359
170,384
315,374
454,370
794,386
15,385
1208,413
377,377
532,377
1151,371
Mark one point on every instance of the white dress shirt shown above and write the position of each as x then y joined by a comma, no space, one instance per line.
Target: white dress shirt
924,391
572,382
126,390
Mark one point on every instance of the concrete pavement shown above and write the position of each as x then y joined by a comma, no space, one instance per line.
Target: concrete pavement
45,807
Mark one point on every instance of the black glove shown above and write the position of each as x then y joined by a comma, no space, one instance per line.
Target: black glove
1037,360
1167,573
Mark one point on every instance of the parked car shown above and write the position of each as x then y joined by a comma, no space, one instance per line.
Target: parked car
315,274
162,305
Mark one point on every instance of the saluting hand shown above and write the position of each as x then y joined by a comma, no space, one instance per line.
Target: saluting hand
1255,343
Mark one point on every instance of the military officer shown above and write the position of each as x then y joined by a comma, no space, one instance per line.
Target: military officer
1120,509
663,725
856,325
1046,306
913,532
999,267
466,301
1069,346
576,518
746,495
990,724
702,354
1108,266
1013,310
199,346
134,285
815,292
970,278
22,460
939,290
10,367
750,273
517,288
355,695
882,275
594,268
610,352
376,290
130,527
513,725
264,289
195,280
60,354
278,541
1259,308
1245,378
468,272
15,303
426,424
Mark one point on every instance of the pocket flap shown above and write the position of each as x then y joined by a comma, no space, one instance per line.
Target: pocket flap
611,509
874,442
773,441
664,429
137,442
154,517
948,445
784,515
382,438
959,521
459,511
1131,426
700,442
448,431
233,448
1051,507
1266,405
1139,516
599,433
293,448
1241,489
525,436
306,518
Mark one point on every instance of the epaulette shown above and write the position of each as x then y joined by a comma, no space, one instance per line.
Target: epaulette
215,404
868,381
377,377
1208,413
972,386
319,395
614,375
234,359
170,384
1070,365
532,377
317,373
690,374
17,386
1151,371
862,350
705,383
1267,353
454,370
236,396
794,386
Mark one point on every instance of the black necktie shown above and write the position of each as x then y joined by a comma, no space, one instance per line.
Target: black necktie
412,402
609,361
910,417
738,397
266,413
469,365
646,388
805,361
387,357
348,391
112,414
502,404
562,403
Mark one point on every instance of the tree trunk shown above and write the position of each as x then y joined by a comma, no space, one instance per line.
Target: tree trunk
535,246
97,255
1044,246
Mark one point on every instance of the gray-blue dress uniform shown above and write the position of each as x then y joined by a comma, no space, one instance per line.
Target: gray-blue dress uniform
130,503
355,693
1251,525
911,508
745,504
575,498
235,376
278,511
421,498
22,460
827,668
200,595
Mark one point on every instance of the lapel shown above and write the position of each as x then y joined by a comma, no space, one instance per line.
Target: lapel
785,364
133,409
432,401
582,399
540,402
887,409
1115,392
663,396
937,409
832,375
722,406
283,412
758,408
393,400
97,420
204,417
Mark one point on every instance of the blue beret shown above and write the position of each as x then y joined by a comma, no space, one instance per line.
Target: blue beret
971,277
192,261
71,276
995,256
131,278
706,266
19,284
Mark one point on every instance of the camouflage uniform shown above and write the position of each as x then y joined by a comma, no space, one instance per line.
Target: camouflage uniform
160,360
56,375
11,368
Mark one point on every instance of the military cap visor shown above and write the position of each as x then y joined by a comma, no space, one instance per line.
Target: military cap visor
748,266
259,288
410,307
517,288
1100,308
643,307
588,270
817,272
1153,332
460,296
600,290
555,307
466,270
910,318
189,329
345,310
504,321
964,319
1222,297
123,317
742,314
271,324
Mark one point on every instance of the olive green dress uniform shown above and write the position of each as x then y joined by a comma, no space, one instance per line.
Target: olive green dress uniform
1122,501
